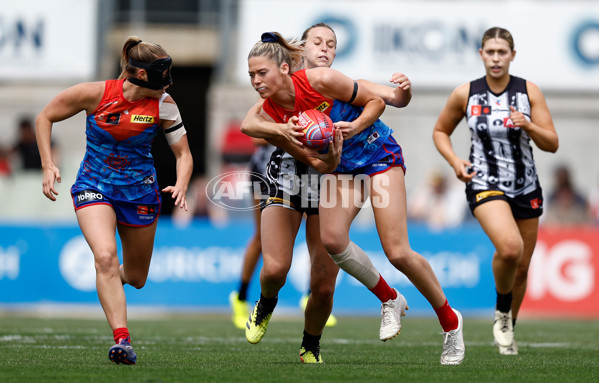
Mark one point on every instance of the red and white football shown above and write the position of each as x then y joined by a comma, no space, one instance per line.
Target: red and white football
318,129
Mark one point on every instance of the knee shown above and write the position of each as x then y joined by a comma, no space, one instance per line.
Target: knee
522,273
399,256
511,250
322,293
137,281
273,271
334,241
322,285
133,277
106,262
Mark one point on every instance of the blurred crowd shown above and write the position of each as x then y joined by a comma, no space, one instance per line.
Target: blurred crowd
438,201
566,205
23,154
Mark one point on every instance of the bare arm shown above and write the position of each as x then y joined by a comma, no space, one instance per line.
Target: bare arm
399,96
540,129
259,141
448,120
69,102
333,84
183,166
257,124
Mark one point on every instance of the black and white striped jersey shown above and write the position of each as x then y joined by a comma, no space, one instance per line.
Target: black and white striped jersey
260,158
501,154
293,178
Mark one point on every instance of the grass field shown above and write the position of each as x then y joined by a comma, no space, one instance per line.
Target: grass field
207,348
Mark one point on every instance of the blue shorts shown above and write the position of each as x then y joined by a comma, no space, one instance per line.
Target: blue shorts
143,211
393,158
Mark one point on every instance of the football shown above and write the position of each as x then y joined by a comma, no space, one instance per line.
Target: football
318,129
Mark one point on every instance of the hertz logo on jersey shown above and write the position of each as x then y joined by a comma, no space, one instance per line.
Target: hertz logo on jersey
141,119
322,107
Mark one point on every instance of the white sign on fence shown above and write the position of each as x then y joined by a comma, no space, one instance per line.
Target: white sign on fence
436,42
48,40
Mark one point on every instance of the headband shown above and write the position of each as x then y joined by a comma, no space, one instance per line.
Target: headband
134,45
269,37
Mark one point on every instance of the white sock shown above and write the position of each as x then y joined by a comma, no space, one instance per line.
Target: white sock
357,263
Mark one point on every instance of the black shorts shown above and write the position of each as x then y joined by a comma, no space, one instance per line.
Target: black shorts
291,184
291,201
523,206
300,193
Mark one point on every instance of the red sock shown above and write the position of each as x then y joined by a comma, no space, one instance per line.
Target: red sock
447,317
383,291
120,333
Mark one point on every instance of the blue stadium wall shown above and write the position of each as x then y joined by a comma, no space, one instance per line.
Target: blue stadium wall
196,267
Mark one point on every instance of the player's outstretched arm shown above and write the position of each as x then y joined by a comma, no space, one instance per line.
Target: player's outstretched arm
398,96
69,102
184,170
334,84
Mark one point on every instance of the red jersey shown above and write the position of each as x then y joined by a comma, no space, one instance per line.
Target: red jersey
306,98
118,159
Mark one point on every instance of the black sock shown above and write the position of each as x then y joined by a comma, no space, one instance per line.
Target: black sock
243,291
513,322
504,302
310,342
269,304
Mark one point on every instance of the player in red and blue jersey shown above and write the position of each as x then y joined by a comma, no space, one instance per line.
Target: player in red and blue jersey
320,88
116,188
367,147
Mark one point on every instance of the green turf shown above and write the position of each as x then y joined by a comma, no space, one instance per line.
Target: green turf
207,348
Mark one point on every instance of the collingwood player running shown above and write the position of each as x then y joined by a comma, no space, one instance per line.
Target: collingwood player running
504,113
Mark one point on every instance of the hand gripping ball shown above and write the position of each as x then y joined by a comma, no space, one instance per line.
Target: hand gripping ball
318,129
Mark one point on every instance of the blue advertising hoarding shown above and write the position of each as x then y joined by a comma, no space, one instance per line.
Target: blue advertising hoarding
197,266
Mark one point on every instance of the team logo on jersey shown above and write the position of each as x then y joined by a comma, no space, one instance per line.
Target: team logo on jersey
113,118
480,110
536,203
117,162
149,180
373,137
322,107
141,119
